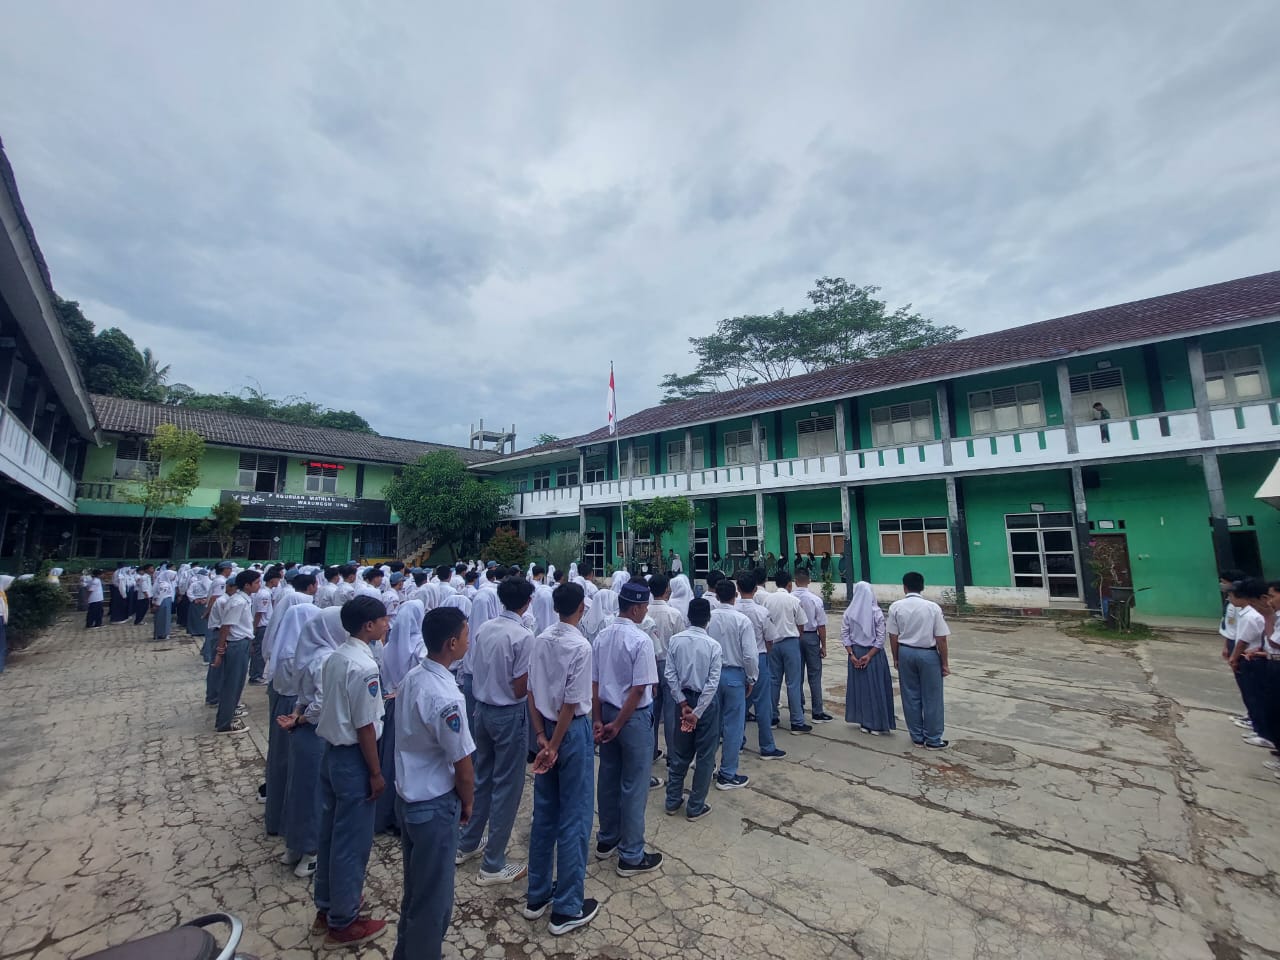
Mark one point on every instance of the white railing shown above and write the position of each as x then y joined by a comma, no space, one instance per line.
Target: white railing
27,461
1170,432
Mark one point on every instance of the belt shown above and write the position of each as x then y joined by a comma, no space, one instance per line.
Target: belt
907,646
691,693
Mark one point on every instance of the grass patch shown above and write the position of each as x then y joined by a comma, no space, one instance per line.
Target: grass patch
1098,630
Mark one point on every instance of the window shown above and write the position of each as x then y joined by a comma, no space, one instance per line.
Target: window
322,479
1233,375
816,436
918,537
595,472
258,472
737,446
640,457
675,456
1101,386
134,459
819,538
542,479
902,423
566,476
593,550
1009,408
740,540
1042,553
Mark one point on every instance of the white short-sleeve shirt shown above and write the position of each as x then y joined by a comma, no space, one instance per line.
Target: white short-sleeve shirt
501,654
623,658
352,694
431,732
236,612
1250,628
560,671
916,621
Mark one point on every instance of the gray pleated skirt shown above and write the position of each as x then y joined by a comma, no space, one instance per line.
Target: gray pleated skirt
869,700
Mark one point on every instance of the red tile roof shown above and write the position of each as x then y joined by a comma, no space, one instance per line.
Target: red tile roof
117,415
1186,312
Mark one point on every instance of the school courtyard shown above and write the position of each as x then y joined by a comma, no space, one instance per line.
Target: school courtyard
1095,803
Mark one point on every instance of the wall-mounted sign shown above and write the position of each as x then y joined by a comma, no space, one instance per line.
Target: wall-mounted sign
323,466
308,506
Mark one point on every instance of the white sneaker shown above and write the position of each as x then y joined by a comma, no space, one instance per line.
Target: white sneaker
289,858
1242,722
508,874
306,868
1259,742
1272,765
465,855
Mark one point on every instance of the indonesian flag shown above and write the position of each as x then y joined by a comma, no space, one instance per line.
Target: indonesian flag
613,405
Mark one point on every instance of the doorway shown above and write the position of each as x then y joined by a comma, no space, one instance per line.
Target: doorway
701,552
313,545
1245,550
1111,551
1042,553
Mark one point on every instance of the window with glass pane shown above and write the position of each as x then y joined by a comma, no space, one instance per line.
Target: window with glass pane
1100,386
134,459
640,460
819,538
1006,409
321,479
738,448
816,436
593,550
595,471
542,479
1232,375
258,472
915,537
902,423
741,540
566,476
675,456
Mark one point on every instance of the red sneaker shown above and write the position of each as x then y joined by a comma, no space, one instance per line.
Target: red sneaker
361,931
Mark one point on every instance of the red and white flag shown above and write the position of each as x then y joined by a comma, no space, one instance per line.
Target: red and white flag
613,405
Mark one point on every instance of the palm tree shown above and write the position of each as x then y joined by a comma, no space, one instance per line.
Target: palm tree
153,375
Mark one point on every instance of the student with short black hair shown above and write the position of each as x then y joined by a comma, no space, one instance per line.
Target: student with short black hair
93,601
143,587
350,723
564,768
231,652
693,677
263,603
435,785
328,590
918,639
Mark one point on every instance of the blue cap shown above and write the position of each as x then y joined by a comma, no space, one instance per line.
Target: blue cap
634,591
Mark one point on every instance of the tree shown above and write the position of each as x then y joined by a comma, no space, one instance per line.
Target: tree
253,402
153,375
506,547
546,438
222,524
653,519
177,454
845,324
559,549
445,501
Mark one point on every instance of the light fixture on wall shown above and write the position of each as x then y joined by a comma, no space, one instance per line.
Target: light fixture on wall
1037,508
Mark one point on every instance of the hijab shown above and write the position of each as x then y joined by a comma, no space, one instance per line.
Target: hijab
5,582
573,570
289,625
290,599
604,607
405,646
620,577
681,594
322,631
859,618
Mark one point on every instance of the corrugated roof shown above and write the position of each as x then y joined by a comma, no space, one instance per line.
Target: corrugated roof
118,415
1185,312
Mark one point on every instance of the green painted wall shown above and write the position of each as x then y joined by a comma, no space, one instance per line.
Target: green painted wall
790,441
896,501
1176,375
1242,474
988,498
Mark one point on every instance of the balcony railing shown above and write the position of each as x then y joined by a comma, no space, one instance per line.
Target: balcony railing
1170,432
28,461
95,490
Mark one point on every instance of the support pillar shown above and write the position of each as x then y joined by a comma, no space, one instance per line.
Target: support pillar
755,445
1068,412
944,423
841,446
846,555
759,525
688,469
864,547
959,538
1223,552
1200,392
1092,596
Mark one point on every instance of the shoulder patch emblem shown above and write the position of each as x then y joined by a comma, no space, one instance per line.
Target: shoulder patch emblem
452,717
373,687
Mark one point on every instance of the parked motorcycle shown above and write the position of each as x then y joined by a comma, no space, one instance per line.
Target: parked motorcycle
191,941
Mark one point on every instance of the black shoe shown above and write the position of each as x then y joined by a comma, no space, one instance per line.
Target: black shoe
801,728
605,850
650,861
822,718
534,911
672,811
262,793
560,924
751,717
706,808
657,756
530,757
773,723
941,745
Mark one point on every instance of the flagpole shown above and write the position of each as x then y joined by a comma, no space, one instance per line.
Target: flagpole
617,446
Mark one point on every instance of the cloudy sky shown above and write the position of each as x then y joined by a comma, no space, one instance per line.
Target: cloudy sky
437,215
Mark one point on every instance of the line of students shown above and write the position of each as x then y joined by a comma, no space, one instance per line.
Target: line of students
1250,629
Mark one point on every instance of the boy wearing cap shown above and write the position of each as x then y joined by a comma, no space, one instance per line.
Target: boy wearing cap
693,677
623,671
435,785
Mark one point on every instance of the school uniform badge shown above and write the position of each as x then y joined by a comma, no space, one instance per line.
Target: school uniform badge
452,718
373,688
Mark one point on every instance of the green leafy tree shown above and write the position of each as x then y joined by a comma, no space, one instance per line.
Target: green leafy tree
560,549
223,521
253,402
654,519
546,438
506,547
845,324
177,454
444,501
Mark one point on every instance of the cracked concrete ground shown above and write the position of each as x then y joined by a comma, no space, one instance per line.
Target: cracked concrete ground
1095,803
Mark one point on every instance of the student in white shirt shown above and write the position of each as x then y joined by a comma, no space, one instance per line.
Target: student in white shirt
93,601
197,609
624,671
162,602
142,590
350,722
217,587
263,604
1227,579
288,622
120,593
918,638
498,659
667,622
327,591
694,664
813,642
435,785
564,769
345,589
231,655
747,604
785,664
1248,660
739,672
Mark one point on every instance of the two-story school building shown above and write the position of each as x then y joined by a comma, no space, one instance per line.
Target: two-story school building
311,494
989,464
46,417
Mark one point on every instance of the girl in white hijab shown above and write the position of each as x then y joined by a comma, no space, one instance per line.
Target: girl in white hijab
5,582
604,607
681,594
404,651
282,695
869,697
620,577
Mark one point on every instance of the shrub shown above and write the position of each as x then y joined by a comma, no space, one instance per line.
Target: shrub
34,605
506,547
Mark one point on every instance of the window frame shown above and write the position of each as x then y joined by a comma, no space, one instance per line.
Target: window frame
643,465
1017,407
814,434
256,472
596,469
929,527
817,533
144,467
567,476
738,445
912,418
675,455
737,533
320,474
1228,375
542,479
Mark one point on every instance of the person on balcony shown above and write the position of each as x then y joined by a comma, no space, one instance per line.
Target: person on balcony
1100,412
